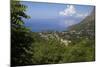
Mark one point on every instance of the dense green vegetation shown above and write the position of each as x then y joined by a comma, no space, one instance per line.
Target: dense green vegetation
31,48
52,51
20,36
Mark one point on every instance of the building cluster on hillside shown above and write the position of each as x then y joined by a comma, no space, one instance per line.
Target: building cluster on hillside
54,35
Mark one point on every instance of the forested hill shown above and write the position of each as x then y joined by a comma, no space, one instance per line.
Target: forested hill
87,24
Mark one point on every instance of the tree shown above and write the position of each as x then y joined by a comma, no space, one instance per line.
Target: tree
20,36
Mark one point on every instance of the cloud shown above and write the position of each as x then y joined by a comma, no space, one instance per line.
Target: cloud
69,22
80,15
66,23
69,11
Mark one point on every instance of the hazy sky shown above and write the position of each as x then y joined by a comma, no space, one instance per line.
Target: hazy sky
61,15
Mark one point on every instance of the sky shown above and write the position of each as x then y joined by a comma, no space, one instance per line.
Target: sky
54,16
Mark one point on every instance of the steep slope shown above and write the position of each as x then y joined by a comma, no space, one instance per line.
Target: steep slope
84,29
86,25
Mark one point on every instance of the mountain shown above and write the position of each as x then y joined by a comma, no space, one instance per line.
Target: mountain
86,26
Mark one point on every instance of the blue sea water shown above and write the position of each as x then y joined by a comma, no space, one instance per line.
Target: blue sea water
45,25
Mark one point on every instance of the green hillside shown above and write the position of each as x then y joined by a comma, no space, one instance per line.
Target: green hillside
86,26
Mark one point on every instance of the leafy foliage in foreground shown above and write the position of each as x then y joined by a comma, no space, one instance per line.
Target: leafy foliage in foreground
20,36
